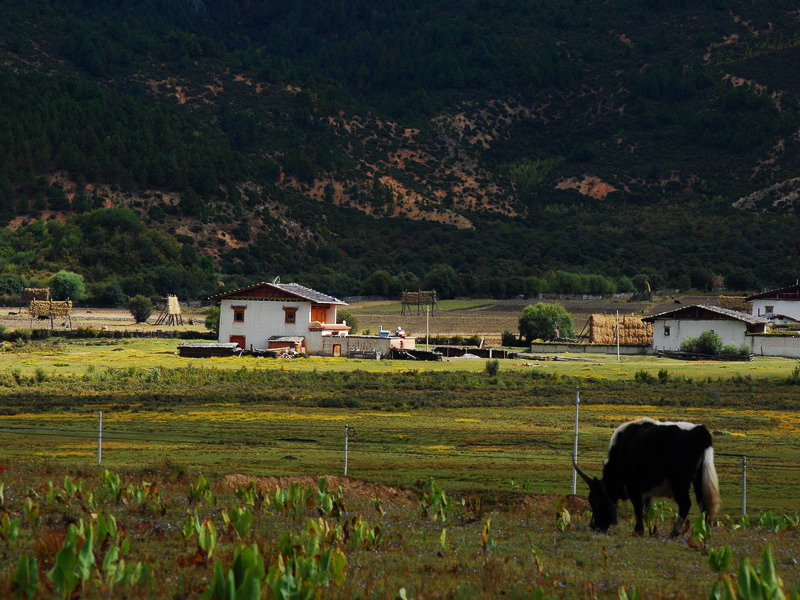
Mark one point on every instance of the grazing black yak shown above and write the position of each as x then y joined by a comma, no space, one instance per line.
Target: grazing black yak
648,458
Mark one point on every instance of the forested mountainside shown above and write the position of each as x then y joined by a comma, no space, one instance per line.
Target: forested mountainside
494,148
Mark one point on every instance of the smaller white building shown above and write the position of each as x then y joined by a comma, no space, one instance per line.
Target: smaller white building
783,302
279,315
671,328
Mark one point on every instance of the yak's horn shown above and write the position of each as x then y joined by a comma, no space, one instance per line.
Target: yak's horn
580,472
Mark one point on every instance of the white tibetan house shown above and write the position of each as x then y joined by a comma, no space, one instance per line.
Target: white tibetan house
671,328
782,303
280,315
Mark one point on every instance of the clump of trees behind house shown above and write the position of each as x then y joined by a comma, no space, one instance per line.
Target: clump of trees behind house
543,321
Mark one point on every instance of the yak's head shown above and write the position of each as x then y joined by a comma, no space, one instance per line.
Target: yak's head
604,511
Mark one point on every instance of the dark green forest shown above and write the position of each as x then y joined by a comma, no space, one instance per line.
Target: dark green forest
133,133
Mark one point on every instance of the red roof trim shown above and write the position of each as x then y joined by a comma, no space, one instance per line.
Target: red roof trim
243,293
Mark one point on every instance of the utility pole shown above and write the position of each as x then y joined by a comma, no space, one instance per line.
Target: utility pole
575,447
100,440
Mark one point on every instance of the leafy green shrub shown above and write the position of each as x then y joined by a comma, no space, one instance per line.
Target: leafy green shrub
22,335
343,316
508,339
473,340
492,367
141,308
707,342
734,350
794,378
212,319
644,377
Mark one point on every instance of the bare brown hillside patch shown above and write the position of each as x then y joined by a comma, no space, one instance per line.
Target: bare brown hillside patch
590,185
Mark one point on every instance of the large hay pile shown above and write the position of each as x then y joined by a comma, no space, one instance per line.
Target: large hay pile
735,303
420,299
50,308
31,294
171,315
173,306
632,330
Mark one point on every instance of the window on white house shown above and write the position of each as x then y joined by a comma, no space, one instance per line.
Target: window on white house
666,330
290,314
238,314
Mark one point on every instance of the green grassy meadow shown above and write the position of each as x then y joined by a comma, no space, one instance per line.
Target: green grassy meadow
72,358
502,443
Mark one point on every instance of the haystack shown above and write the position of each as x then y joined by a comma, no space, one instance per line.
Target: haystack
171,315
51,309
31,294
421,299
632,330
735,303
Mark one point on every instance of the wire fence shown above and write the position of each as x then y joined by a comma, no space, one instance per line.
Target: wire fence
320,444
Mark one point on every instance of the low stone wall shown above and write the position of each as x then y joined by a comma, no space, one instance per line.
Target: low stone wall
89,332
775,345
562,347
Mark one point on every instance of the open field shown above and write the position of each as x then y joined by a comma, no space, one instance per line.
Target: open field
449,419
111,319
73,357
493,452
501,443
489,318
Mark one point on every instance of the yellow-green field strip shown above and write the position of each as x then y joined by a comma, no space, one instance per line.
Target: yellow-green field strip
478,449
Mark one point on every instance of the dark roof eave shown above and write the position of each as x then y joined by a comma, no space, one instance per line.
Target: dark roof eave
731,314
773,293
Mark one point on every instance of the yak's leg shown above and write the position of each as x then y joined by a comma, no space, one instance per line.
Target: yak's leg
684,504
638,509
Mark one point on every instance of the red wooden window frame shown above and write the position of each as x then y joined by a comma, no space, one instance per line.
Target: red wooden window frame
238,313
290,314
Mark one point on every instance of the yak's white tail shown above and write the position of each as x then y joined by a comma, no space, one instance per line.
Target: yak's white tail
710,484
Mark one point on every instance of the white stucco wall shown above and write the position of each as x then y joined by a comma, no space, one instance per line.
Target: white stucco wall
262,319
790,308
730,331
775,345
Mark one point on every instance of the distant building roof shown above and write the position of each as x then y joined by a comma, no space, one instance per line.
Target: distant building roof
278,291
791,292
700,311
783,318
